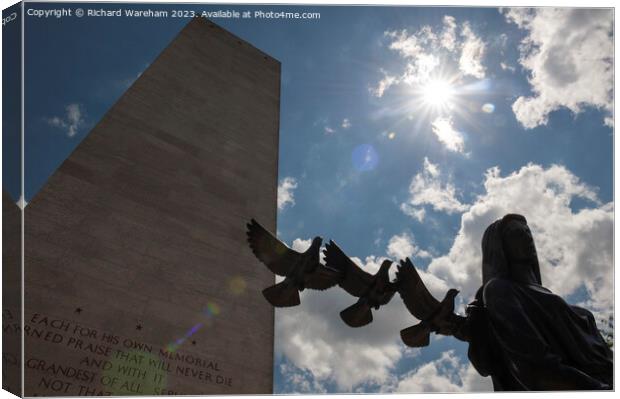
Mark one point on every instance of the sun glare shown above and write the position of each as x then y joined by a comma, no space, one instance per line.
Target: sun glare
437,93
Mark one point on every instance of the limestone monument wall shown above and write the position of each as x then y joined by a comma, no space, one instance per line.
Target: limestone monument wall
138,278
11,295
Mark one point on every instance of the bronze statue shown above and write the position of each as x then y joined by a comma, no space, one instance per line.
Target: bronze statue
519,332
372,290
300,270
421,304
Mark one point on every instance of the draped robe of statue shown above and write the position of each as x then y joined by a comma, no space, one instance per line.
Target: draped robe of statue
520,333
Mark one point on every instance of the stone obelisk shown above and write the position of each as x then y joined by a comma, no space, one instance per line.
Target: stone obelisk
138,277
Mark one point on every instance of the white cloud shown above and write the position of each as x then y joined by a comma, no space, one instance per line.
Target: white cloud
448,35
574,247
346,123
413,47
429,51
285,192
445,374
450,137
385,83
328,130
72,120
507,67
314,339
568,53
427,188
472,53
300,381
409,46
403,246
301,245
417,213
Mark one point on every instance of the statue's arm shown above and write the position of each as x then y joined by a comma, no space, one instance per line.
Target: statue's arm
461,327
473,328
457,326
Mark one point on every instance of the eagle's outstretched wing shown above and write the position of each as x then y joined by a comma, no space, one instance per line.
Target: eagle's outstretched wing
322,278
419,301
354,280
269,250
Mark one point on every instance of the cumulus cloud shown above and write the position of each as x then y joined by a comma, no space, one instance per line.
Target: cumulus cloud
448,34
71,121
507,67
568,54
574,246
575,252
431,49
322,349
403,246
314,339
445,374
416,213
285,192
428,188
346,123
301,245
385,83
298,381
472,52
448,135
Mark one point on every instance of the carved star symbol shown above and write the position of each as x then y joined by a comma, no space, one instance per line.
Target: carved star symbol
139,327
78,310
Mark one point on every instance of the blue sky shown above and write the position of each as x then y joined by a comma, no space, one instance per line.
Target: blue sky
404,131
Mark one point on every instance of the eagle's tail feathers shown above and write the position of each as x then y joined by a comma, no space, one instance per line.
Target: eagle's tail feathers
357,315
416,336
282,295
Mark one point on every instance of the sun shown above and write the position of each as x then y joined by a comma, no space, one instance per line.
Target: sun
437,93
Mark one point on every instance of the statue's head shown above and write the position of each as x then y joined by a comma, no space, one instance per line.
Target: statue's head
517,240
508,251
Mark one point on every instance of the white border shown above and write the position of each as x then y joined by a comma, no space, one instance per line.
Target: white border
477,3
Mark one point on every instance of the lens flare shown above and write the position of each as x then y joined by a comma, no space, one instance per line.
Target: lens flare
365,157
237,285
175,345
146,365
488,108
211,311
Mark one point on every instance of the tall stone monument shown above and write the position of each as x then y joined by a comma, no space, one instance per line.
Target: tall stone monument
138,278
11,295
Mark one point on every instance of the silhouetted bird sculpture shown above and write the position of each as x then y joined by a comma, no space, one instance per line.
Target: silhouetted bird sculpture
422,305
300,270
372,290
